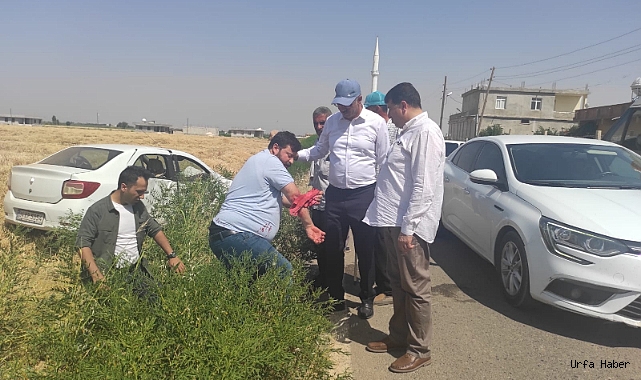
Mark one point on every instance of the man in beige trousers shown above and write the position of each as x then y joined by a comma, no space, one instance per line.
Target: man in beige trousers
406,209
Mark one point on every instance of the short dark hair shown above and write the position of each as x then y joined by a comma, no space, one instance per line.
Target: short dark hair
130,175
404,92
322,110
283,139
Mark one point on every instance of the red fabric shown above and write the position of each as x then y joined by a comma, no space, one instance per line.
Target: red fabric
304,200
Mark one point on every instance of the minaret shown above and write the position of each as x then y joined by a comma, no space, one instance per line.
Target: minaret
375,68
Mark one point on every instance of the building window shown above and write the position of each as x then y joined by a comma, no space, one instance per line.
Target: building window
525,121
536,104
500,102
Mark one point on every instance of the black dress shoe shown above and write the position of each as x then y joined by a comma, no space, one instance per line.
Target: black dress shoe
366,310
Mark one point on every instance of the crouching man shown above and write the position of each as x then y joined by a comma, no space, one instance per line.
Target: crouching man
113,229
250,215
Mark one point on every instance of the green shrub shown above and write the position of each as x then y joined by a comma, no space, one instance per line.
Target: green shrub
211,322
492,130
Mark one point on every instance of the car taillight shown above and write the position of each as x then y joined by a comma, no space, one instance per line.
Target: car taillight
78,189
9,182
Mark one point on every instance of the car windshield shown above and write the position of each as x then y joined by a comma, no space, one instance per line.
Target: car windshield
576,165
81,157
450,147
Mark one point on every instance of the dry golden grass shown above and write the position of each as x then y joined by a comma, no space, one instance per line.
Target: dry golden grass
23,145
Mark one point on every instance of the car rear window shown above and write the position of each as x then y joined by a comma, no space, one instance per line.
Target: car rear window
82,157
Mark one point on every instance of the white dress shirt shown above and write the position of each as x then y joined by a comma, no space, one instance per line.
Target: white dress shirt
392,131
356,147
409,190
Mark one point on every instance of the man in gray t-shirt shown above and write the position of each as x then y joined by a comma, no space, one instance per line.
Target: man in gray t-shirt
249,218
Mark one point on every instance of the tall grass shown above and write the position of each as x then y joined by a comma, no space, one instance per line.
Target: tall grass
210,322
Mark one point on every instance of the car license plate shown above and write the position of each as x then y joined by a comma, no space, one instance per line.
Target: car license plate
30,216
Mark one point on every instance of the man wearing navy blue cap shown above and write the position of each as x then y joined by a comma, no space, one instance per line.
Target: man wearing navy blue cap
357,142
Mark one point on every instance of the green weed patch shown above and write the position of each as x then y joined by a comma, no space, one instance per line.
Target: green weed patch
209,323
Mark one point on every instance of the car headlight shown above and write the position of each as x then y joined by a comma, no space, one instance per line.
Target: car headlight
562,240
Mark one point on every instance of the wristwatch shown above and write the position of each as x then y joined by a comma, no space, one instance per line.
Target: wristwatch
171,256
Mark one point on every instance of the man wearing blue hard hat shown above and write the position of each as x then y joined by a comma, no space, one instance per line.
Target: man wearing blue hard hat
357,142
375,102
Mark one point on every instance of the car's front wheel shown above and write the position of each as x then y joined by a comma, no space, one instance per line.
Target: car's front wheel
513,270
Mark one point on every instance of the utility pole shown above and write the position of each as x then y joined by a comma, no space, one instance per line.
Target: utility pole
487,92
97,120
440,124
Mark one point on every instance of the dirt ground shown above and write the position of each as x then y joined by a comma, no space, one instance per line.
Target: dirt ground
477,335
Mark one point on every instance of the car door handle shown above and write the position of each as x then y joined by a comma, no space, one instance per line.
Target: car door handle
498,208
466,190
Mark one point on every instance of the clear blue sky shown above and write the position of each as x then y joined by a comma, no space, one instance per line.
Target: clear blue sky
268,64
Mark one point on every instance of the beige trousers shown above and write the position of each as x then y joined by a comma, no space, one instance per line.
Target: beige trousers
409,275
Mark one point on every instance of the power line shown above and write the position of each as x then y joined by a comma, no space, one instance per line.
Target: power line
591,72
463,80
575,64
571,52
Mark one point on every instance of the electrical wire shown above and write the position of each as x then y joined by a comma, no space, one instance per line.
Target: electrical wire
575,64
591,72
571,52
463,80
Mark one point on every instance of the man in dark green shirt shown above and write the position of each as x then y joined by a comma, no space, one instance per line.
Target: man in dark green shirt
113,229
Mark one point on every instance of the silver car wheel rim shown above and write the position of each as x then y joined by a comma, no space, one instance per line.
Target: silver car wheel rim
511,268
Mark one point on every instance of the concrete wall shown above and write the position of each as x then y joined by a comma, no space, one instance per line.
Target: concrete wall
246,133
191,130
565,103
4,119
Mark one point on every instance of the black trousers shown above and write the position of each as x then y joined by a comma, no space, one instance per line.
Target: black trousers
382,278
345,209
320,220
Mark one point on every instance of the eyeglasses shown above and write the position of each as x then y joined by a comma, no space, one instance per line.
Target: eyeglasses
317,123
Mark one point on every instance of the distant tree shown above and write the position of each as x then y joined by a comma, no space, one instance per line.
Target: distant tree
54,120
122,125
492,130
542,131
68,123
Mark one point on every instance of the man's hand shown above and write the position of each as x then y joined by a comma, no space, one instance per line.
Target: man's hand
315,234
406,243
317,199
96,276
176,264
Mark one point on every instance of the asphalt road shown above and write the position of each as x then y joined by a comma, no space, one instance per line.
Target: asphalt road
477,335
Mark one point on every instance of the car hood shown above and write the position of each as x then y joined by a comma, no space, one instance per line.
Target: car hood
612,212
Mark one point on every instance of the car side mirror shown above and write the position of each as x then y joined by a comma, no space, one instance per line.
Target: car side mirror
487,177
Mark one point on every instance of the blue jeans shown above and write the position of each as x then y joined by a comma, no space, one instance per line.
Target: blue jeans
259,249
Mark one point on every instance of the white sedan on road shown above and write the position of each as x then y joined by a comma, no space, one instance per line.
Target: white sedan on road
72,179
559,218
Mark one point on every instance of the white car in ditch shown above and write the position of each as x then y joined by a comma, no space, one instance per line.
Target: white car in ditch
72,179
558,217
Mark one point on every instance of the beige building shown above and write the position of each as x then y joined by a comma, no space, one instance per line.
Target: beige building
519,111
